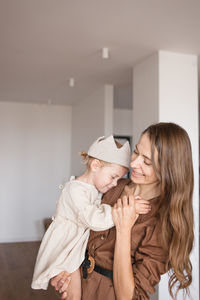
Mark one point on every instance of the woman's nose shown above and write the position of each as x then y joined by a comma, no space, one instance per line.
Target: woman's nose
136,162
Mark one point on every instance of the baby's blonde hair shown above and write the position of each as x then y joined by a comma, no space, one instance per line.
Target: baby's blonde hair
87,159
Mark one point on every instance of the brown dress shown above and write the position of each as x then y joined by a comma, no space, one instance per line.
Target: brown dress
148,256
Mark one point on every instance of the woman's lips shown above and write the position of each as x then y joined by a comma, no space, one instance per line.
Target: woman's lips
136,174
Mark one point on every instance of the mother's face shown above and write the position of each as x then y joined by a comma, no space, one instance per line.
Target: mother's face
141,162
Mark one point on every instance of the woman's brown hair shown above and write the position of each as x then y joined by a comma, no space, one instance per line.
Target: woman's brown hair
176,212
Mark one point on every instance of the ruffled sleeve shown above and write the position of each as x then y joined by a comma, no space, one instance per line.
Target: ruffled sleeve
149,262
91,213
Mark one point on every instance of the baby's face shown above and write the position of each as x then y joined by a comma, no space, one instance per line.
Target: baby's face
108,175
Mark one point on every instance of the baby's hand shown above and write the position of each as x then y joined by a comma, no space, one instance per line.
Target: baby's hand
142,206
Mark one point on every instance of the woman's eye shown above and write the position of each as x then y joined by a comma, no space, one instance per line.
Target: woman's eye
147,164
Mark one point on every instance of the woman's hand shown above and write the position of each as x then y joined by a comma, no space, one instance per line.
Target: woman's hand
60,282
124,213
69,285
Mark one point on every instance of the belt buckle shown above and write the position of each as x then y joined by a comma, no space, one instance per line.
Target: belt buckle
92,264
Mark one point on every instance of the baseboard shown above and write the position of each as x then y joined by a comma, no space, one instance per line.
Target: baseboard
20,239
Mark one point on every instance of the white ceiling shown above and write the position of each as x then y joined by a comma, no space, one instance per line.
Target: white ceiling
45,42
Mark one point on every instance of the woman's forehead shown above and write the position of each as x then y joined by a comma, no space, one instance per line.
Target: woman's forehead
144,145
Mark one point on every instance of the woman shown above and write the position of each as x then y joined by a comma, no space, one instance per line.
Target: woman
142,248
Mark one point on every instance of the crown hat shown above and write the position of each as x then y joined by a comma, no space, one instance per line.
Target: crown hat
105,148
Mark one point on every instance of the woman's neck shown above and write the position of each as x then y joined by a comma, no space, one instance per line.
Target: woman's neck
147,191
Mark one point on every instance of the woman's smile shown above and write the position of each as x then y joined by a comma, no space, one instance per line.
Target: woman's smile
136,174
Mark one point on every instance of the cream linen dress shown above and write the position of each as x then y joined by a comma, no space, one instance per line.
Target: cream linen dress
78,210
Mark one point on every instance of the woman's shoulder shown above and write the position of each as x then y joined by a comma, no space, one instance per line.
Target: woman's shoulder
123,181
112,195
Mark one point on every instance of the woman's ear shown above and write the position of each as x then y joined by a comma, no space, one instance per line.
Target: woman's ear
95,165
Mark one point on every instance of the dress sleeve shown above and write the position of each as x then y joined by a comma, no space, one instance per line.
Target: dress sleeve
91,213
149,262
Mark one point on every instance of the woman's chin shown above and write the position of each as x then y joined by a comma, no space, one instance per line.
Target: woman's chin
137,179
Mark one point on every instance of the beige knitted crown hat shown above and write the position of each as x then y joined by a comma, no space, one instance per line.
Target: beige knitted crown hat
104,148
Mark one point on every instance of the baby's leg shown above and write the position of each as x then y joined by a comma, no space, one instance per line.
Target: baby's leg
74,289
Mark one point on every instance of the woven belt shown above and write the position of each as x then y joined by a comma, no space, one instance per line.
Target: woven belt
88,266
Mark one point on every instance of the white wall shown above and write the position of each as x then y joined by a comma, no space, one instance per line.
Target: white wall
123,96
145,95
123,122
178,102
91,118
108,109
165,89
34,158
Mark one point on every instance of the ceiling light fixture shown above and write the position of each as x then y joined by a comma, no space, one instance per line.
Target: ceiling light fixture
105,53
71,82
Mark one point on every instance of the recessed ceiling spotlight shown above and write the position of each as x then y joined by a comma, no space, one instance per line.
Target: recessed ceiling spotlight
71,82
105,53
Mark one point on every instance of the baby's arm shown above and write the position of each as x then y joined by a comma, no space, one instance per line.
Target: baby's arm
89,210
97,216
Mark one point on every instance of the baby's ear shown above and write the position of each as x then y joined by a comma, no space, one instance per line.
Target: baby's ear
95,165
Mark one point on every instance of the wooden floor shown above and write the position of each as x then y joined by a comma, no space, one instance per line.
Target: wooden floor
16,269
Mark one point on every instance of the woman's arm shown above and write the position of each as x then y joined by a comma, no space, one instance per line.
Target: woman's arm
60,283
68,285
124,216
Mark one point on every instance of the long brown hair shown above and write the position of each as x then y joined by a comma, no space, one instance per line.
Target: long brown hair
176,213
